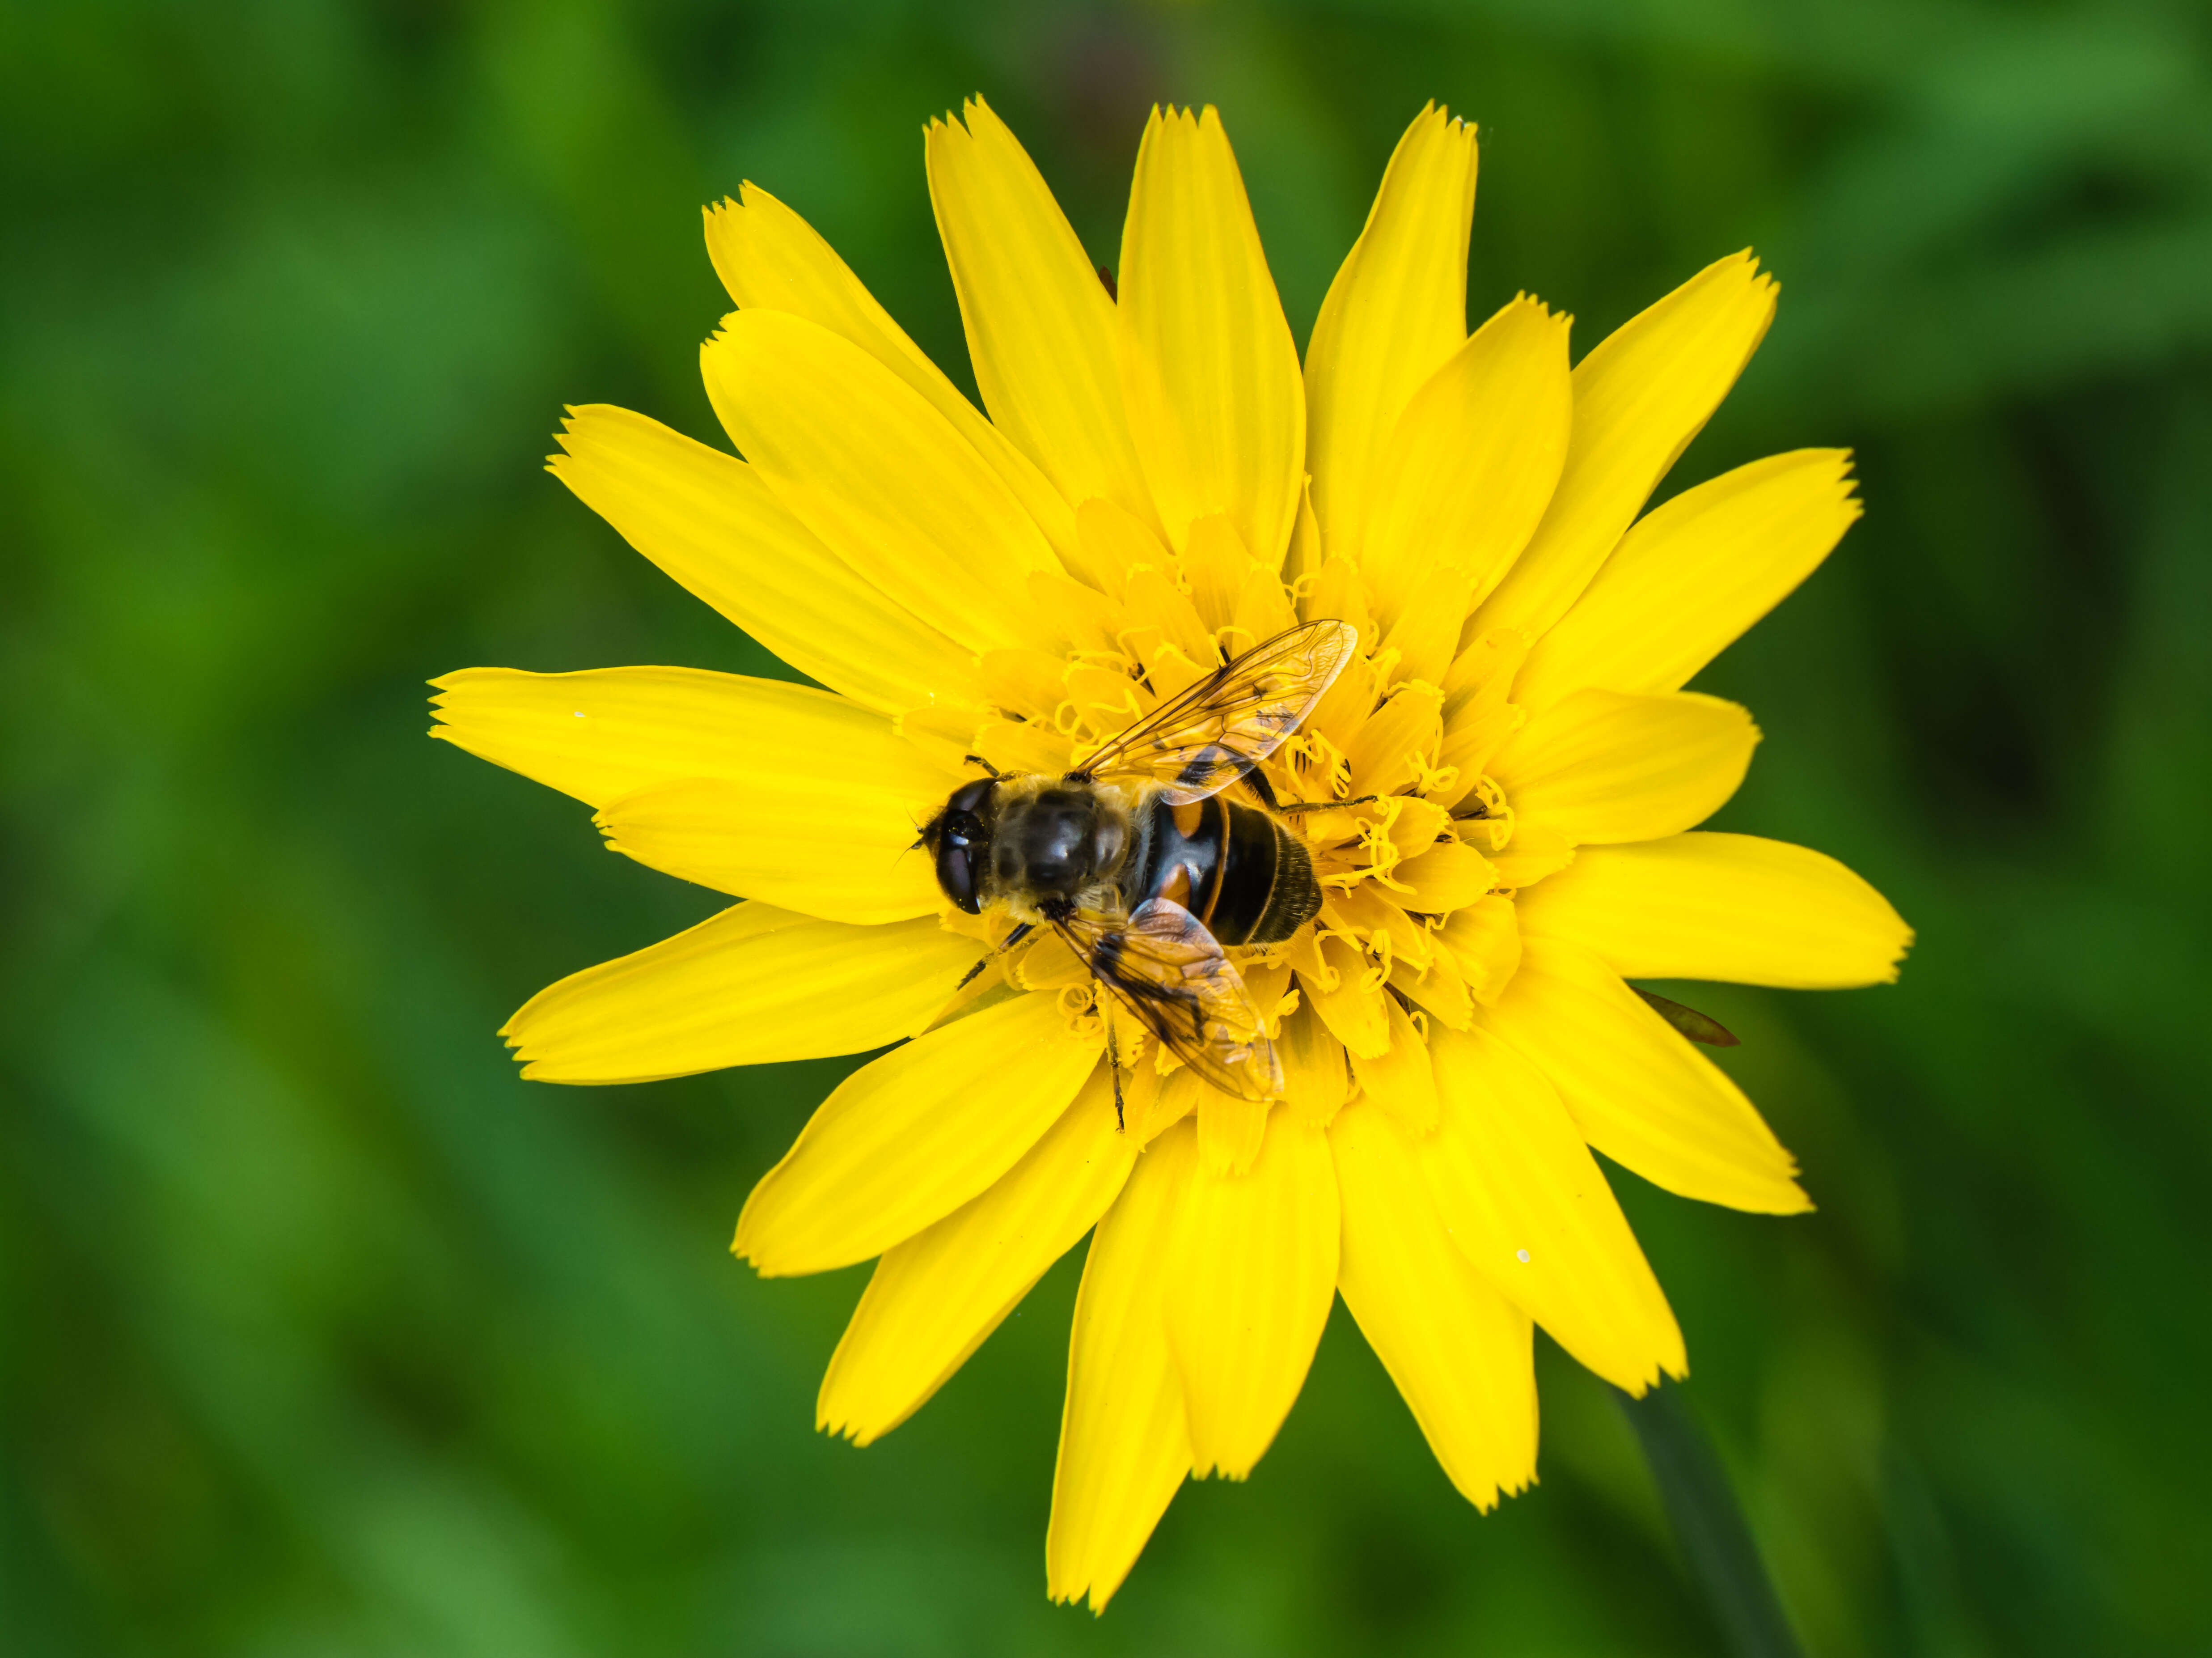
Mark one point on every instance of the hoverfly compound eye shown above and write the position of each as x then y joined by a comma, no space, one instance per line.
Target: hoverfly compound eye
955,874
961,833
970,798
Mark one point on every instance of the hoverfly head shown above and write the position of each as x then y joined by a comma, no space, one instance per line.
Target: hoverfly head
959,837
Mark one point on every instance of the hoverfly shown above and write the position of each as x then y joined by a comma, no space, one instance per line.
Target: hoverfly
1138,862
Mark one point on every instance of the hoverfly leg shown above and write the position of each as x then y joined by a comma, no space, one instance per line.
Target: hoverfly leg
1256,780
1114,1064
1012,939
1328,805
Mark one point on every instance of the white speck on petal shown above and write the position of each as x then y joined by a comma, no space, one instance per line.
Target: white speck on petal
1521,1254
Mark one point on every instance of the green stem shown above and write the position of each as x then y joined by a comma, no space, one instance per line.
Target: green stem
1710,1525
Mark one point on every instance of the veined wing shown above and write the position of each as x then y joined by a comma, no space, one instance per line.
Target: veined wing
1228,721
1164,966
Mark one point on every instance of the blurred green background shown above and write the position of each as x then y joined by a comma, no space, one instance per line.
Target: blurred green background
324,1335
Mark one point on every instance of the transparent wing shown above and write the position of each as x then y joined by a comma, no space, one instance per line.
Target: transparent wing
1231,720
1163,966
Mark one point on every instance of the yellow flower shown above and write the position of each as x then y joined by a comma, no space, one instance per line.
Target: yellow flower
1160,485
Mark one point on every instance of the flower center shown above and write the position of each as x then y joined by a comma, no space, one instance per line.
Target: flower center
1383,782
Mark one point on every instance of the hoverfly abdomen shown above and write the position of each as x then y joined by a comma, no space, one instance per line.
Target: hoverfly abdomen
1293,892
1245,876
1251,863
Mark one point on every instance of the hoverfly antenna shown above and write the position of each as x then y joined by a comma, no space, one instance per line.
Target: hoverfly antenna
977,759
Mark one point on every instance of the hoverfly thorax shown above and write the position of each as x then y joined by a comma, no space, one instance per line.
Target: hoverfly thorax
1054,841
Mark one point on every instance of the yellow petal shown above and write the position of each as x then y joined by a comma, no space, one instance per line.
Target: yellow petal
1396,310
1481,675
1315,1083
1602,766
1694,575
1342,714
1107,699
1156,1103
1400,1081
609,732
866,463
1040,323
1478,718
1231,1131
1268,983
1214,566
1414,827
910,1138
1046,963
936,1298
1012,747
1470,741
1449,876
1484,941
1429,616
1333,978
1732,907
1124,1442
1407,727
1263,610
1439,989
752,985
1248,1289
1155,602
1639,1091
1460,1351
1363,909
779,838
1029,683
1115,544
1209,374
1304,558
1536,850
1521,1195
707,521
1639,398
1471,465
1335,593
769,257
720,779
1076,616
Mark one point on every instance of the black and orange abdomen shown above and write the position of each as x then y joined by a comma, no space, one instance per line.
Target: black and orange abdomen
1246,877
